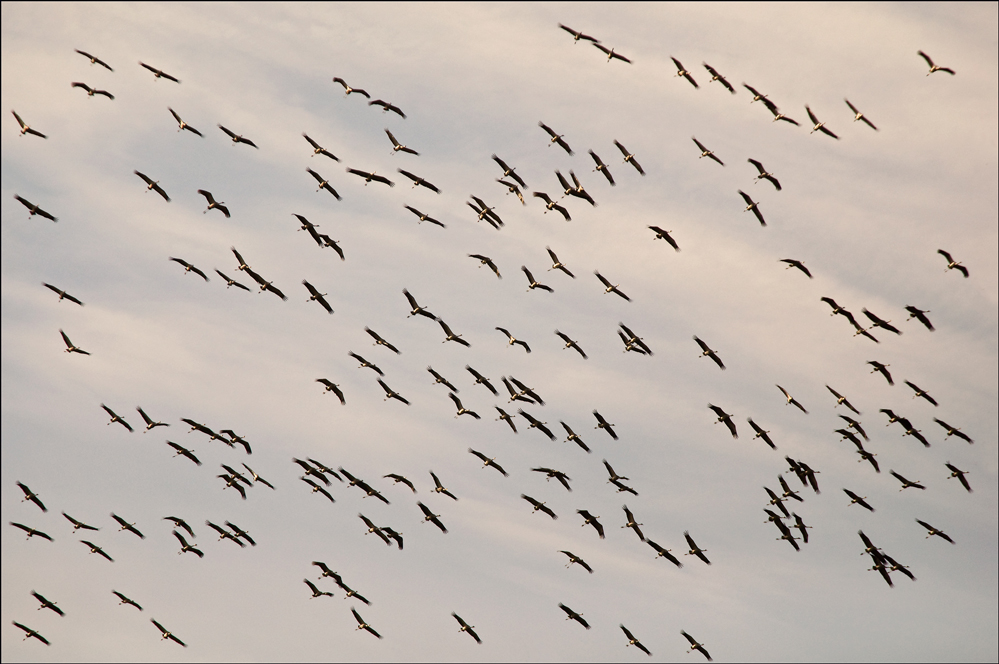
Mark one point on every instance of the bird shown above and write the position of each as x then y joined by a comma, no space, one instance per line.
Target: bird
371,177
623,488
694,549
715,76
854,424
953,264
150,424
694,645
959,474
334,388
423,217
381,342
372,528
953,431
919,315
390,394
798,264
441,380
778,115
94,60
840,399
236,138
572,615
882,369
464,411
431,517
906,483
897,567
577,35
754,206
516,395
509,172
527,391
933,67
63,295
32,532
859,500
386,106
629,158
189,268
664,235
399,147
185,547
349,90
788,492
485,212
574,437
725,418
575,189
934,531
159,73
485,260
30,633
70,348
327,571
683,73
318,149
47,604
602,167
919,392
664,553
451,336
573,558
557,474
539,506
910,430
317,489
31,496
25,129
419,182
96,549
225,534
480,379
513,188
631,523
778,502
589,519
569,343
399,479
365,364
167,634
860,116
632,641
791,400
764,175
610,53
604,424
558,265
818,126
316,592
552,205
802,528
181,125
317,296
116,418
323,183
183,451
536,424
465,627
439,488
78,524
512,339
360,621
632,338
125,600
836,309
180,523
91,91
761,433
609,287
878,322
212,204
706,152
706,351
34,209
329,242
230,282
556,138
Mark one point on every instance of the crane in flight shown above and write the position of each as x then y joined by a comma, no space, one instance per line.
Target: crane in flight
715,76
25,129
953,264
158,73
933,67
94,60
753,206
91,91
857,115
236,138
683,73
34,209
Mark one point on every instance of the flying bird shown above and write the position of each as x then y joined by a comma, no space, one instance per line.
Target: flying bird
953,264
609,287
419,182
512,188
859,500
802,528
556,138
514,340
485,260
431,517
664,235
572,615
189,268
589,519
694,645
31,496
934,531
390,394
662,552
386,107
70,348
465,627
609,52
316,592
601,167
91,91
440,488
451,336
630,338
323,183
509,172
557,474
316,489
577,35
94,549
706,152
959,474
372,528
569,343
818,126
754,206
878,322
185,547
683,73
441,380
125,600
399,147
485,212
920,392
631,523
532,284
715,76
180,523
906,483
94,60
933,67
764,175
706,351
212,204
841,400
167,634
573,558
725,418
334,388
159,73
150,424
552,205
857,115
30,633
882,369
236,138
694,549
480,379
63,295
116,418
919,315
369,177
77,525
360,621
365,364
34,209
778,502
399,479
629,157
230,282
632,641
536,423
604,424
539,506
761,433
183,451
796,263
47,604
349,90
317,296
464,411
574,437
423,217
788,491
181,125
25,129
32,532
318,149
953,431
381,342
792,401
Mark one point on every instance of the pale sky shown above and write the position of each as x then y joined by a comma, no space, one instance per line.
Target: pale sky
866,214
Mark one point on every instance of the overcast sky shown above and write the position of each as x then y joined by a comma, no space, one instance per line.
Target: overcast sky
866,213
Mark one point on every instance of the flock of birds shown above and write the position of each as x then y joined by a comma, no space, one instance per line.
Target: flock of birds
319,476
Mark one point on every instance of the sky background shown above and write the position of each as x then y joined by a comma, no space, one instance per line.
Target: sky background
866,214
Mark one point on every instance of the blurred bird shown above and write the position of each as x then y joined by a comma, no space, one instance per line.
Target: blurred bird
94,60
236,138
933,67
